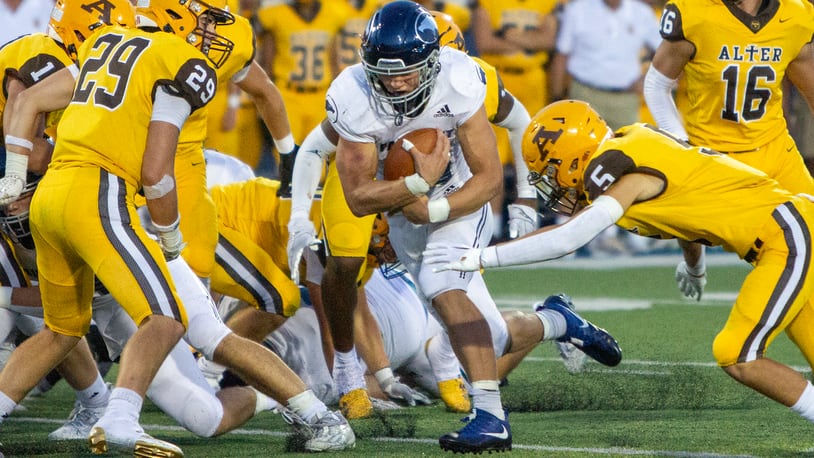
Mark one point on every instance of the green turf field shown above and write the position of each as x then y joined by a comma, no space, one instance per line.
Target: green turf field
666,398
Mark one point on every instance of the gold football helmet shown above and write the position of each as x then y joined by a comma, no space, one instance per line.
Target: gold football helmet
556,147
449,34
72,21
193,20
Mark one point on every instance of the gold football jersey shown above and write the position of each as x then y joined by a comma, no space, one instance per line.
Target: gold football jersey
505,14
494,87
31,58
734,79
106,123
303,48
708,197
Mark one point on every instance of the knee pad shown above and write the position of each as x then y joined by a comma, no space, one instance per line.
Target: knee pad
201,413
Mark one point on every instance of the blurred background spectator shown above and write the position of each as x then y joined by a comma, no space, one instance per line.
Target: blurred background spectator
21,17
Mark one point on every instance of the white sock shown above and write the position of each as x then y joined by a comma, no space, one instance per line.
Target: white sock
554,325
263,402
347,372
805,405
124,402
6,406
486,396
306,405
443,361
96,395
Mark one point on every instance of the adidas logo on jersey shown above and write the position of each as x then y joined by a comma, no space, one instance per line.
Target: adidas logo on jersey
444,112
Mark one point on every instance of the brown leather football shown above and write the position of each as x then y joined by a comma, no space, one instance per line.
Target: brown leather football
399,161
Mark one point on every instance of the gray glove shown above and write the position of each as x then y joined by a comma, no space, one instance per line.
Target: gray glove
397,390
691,284
522,220
301,234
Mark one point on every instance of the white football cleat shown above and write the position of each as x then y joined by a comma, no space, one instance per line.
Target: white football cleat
78,425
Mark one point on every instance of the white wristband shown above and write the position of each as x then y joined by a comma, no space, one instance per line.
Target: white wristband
168,228
438,210
16,164
417,184
383,375
5,296
233,101
285,145
21,142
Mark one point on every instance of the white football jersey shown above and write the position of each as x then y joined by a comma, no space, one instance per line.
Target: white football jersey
459,91
224,169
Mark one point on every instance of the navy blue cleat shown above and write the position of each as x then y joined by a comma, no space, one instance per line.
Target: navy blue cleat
592,340
483,432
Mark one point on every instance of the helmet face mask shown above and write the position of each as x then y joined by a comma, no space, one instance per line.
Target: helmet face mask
193,20
557,145
72,21
15,223
401,39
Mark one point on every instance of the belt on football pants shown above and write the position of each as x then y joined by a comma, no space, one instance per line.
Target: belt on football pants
751,255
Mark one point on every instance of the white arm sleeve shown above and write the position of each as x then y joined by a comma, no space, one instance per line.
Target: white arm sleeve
313,153
516,123
658,96
170,108
557,242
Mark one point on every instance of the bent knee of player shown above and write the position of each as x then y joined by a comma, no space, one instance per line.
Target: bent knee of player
200,255
726,349
202,413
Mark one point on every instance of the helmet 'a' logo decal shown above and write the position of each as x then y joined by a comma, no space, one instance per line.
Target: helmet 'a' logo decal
103,7
425,29
543,137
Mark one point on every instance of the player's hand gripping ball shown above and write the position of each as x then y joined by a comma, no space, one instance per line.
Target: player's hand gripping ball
399,162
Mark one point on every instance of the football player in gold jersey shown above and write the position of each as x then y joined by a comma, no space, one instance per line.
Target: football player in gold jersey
118,135
350,35
735,56
26,61
251,261
649,182
299,51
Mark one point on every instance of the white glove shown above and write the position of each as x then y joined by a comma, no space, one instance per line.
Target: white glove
301,234
11,186
397,390
691,285
169,237
456,257
522,220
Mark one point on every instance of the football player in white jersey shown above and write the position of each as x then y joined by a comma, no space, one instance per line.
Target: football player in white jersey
412,83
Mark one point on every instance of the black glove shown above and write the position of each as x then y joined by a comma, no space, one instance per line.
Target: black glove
286,170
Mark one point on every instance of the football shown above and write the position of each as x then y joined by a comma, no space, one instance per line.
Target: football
399,162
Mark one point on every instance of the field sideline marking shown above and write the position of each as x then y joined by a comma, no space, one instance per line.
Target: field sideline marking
541,448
